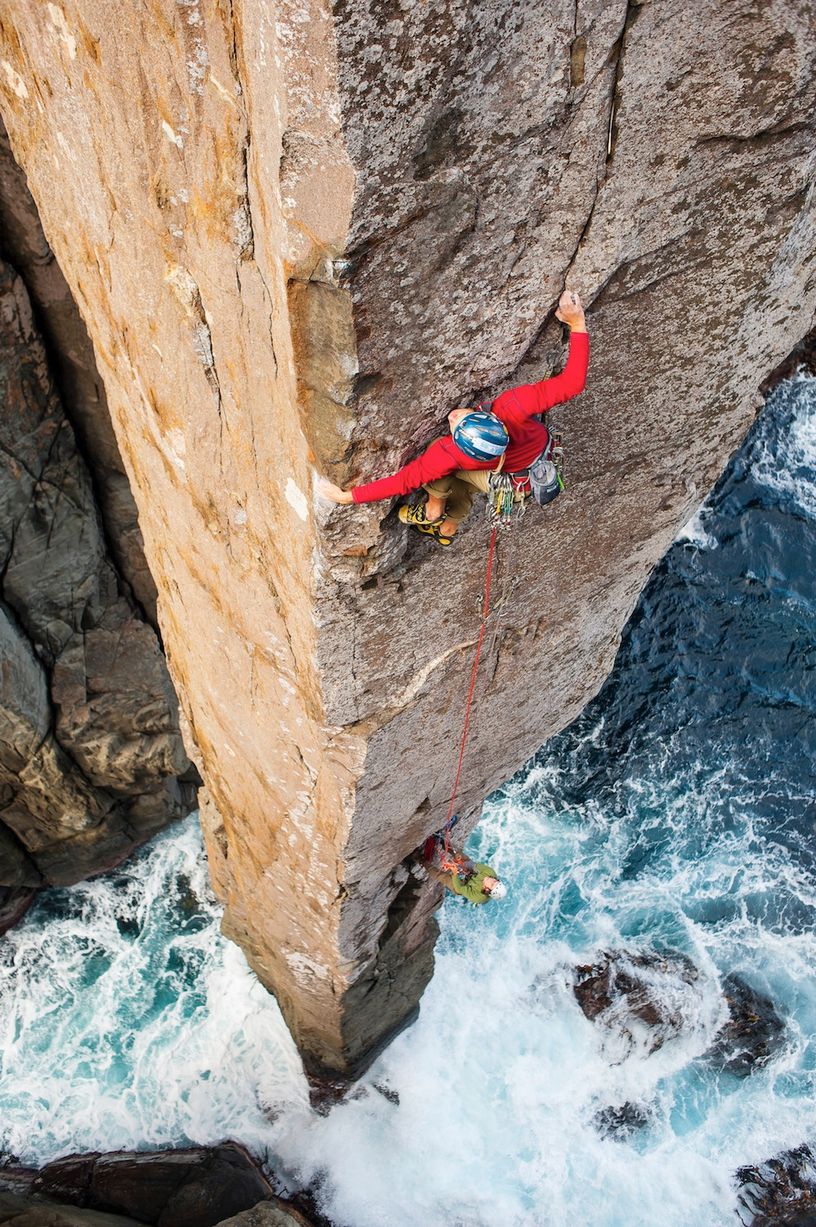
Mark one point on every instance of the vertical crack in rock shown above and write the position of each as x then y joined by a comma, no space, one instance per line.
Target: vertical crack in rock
577,52
245,229
188,294
632,13
616,58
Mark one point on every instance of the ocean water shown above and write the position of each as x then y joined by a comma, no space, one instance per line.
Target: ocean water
677,813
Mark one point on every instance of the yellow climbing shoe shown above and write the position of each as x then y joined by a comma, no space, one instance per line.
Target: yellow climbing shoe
415,518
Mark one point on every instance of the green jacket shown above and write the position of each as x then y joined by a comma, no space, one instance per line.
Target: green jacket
472,889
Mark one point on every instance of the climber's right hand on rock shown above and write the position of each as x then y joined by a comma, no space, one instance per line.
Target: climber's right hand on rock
328,490
570,311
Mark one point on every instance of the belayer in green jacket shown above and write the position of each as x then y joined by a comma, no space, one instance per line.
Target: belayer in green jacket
474,881
483,884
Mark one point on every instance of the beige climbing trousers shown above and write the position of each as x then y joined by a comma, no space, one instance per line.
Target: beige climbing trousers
460,489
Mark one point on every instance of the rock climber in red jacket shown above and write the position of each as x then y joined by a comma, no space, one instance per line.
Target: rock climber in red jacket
455,467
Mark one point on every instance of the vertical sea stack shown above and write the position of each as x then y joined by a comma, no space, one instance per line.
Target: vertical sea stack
300,234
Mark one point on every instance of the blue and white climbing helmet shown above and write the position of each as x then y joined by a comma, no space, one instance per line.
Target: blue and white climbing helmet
481,435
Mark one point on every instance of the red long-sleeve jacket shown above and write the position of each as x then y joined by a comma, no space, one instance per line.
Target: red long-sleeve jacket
516,408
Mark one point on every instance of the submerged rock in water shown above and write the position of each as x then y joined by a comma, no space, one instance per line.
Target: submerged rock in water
753,1033
199,1187
658,995
780,1192
649,993
620,1121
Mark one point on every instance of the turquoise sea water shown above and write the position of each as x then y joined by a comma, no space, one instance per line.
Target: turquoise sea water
678,812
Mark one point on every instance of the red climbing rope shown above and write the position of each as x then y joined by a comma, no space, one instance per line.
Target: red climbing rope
474,671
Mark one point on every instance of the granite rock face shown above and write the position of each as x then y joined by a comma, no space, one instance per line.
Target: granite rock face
90,749
299,235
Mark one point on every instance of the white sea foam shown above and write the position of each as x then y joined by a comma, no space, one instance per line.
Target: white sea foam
128,1021
694,532
787,467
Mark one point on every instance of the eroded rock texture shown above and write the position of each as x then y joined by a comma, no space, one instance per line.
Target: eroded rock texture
298,236
89,741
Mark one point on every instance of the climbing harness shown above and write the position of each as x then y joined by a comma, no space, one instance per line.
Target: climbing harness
448,859
451,861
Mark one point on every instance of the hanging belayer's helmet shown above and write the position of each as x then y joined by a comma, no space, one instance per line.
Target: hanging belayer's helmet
481,435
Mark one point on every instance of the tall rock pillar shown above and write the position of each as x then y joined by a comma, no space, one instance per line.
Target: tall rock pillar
299,234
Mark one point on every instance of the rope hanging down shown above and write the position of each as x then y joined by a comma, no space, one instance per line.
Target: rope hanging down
468,705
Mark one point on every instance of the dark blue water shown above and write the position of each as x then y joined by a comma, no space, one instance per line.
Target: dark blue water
713,695
678,812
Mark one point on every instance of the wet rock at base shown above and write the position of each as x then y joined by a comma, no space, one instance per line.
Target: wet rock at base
620,1121
25,1212
643,991
268,1214
185,1188
753,1033
13,906
780,1192
199,1187
28,1212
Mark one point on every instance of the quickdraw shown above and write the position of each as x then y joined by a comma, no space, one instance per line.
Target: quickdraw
505,498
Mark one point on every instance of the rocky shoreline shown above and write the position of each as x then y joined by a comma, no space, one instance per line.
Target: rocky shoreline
221,1186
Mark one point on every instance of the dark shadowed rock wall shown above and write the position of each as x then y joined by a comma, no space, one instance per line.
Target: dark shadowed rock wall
90,749
73,367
